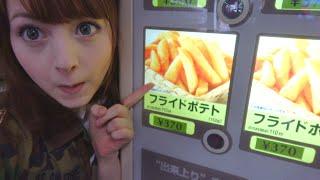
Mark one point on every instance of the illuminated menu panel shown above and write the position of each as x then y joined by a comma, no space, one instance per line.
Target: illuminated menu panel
191,72
283,112
310,5
285,98
179,3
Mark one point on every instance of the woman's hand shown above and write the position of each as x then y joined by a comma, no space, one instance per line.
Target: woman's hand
112,128
109,129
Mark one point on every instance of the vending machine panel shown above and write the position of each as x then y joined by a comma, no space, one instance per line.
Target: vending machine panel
236,92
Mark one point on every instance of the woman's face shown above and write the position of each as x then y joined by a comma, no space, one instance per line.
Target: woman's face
68,61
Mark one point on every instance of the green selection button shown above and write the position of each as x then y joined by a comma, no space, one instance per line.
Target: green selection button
179,3
303,5
172,124
282,149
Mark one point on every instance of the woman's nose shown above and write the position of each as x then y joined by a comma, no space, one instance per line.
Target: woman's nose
66,59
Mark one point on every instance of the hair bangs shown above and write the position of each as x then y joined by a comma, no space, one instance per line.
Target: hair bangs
61,11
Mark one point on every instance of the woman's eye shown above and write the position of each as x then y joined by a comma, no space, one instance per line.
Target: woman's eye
30,33
87,29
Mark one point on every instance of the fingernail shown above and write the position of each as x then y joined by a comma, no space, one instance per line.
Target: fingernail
151,85
102,110
95,109
98,110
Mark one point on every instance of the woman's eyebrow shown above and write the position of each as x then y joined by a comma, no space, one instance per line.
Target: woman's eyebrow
21,14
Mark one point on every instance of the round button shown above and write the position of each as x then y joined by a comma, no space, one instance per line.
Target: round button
216,141
233,11
232,8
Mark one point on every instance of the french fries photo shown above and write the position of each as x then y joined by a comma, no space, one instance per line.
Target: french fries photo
191,62
291,71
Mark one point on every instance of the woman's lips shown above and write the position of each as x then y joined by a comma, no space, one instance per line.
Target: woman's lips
71,89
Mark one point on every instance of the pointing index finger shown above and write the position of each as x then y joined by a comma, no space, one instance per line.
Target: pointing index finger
133,98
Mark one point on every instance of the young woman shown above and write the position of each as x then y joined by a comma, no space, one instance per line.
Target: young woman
60,66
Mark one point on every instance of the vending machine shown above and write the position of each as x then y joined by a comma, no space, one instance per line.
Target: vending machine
237,89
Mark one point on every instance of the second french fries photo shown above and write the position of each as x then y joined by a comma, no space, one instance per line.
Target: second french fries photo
291,68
